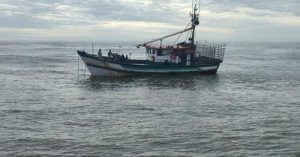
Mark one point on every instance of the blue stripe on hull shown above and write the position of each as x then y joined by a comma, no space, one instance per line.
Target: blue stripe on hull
145,72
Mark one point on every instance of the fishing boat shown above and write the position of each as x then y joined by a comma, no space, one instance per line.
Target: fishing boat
180,58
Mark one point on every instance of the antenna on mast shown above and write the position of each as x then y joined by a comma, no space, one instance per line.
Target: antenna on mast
199,12
199,7
193,5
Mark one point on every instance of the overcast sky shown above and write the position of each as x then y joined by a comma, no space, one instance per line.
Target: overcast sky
135,20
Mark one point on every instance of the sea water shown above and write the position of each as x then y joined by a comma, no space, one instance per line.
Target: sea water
251,107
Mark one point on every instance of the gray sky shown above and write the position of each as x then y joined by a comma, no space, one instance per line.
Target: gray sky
140,20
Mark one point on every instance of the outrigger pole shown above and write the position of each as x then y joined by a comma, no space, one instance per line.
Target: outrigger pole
162,38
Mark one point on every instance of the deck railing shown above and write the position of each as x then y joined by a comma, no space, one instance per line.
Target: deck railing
211,50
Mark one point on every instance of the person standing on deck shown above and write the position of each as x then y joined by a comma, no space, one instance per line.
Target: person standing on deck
109,53
100,53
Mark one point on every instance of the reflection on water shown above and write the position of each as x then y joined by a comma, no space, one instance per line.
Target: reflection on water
183,82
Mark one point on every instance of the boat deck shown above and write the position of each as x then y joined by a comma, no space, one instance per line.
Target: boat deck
200,61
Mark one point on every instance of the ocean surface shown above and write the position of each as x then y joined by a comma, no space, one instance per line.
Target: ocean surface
48,108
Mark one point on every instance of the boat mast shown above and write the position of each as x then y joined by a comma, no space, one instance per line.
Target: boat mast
195,22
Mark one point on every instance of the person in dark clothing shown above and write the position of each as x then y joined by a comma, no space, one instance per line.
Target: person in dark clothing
122,58
110,54
100,53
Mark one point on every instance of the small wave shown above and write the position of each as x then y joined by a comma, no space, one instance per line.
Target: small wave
141,108
18,111
272,137
27,60
76,124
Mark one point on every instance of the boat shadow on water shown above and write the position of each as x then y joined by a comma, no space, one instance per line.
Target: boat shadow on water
184,82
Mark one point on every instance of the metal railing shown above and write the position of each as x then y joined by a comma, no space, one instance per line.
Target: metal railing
211,50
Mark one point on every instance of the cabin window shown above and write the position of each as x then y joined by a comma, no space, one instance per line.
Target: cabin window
149,51
166,52
153,51
159,52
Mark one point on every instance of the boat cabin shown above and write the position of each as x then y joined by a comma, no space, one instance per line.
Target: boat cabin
171,54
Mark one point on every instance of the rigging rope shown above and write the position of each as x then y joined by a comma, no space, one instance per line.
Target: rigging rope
182,33
187,36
